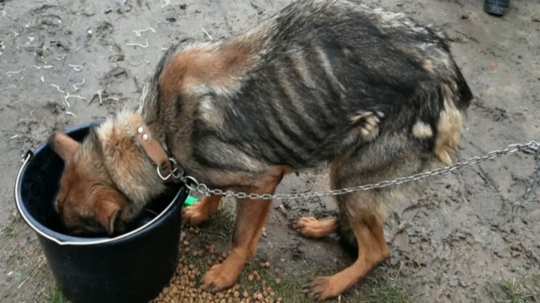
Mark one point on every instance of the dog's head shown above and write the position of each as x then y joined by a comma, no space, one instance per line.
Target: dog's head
88,201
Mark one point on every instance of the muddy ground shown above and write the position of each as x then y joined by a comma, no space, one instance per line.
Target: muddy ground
461,236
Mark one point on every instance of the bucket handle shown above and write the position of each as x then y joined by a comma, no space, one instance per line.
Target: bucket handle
26,157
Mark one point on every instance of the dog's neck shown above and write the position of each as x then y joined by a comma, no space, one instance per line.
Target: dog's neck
132,153
154,149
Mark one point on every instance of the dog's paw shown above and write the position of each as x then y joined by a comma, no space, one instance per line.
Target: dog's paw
313,228
322,288
196,214
217,279
306,226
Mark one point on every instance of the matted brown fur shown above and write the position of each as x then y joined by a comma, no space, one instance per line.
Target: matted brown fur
372,93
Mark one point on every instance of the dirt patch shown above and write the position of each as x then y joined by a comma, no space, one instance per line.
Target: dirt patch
64,64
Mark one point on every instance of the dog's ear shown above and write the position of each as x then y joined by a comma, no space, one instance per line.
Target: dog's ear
63,145
106,213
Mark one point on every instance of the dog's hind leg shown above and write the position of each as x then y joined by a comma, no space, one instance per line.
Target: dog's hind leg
311,227
368,232
200,212
364,213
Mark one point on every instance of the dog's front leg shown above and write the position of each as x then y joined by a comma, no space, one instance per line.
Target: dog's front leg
250,220
251,216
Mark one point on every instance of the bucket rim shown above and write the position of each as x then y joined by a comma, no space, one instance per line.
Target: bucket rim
46,232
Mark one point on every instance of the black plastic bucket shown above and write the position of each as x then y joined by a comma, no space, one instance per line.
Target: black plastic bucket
131,268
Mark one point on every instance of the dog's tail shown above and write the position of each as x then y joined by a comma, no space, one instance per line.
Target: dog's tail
346,237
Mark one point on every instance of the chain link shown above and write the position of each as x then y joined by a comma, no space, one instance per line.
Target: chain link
532,147
533,182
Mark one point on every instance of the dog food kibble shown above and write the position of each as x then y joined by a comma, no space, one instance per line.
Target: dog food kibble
194,262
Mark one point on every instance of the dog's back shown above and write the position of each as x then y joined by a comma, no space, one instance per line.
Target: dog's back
319,79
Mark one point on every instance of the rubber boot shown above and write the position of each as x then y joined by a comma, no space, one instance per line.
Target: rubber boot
496,7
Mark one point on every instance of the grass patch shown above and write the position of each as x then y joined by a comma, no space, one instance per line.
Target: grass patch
377,289
57,297
383,290
286,285
222,223
523,289
10,229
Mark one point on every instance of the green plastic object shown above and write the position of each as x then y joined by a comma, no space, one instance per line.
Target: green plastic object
191,200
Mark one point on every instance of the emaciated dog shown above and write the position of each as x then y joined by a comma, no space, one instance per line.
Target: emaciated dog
372,93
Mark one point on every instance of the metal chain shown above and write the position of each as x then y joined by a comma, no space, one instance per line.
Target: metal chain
531,147
533,182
